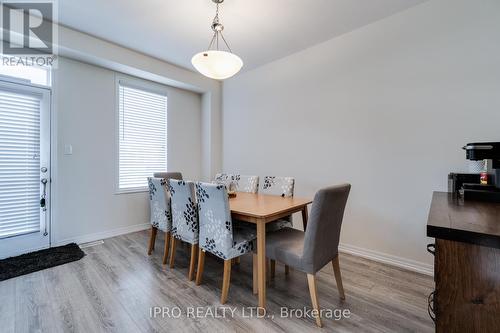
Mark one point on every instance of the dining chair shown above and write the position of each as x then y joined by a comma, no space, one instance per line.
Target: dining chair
217,234
168,175
185,223
248,184
283,187
161,214
311,250
222,178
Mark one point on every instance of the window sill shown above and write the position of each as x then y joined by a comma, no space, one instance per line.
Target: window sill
131,190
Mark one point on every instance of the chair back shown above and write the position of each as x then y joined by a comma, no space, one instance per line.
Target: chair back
168,175
185,223
222,179
159,204
322,235
282,186
249,184
216,226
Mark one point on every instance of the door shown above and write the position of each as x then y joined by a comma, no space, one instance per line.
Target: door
24,168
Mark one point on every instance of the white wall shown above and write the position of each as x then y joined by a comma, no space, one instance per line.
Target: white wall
80,46
86,206
386,108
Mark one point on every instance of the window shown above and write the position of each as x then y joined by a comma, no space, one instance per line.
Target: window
142,136
32,74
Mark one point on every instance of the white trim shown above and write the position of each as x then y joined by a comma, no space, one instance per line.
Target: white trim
103,234
408,264
141,84
132,190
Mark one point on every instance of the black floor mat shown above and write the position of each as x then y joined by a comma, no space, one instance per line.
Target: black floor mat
36,261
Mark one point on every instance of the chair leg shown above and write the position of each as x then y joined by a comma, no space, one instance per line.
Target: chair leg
254,270
338,276
172,251
268,271
311,280
273,268
201,266
194,252
225,281
287,269
167,247
152,239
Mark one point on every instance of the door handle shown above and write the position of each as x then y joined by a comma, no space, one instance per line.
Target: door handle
44,191
44,181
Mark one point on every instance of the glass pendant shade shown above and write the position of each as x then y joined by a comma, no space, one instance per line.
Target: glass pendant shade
218,65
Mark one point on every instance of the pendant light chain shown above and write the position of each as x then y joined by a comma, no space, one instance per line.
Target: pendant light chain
217,27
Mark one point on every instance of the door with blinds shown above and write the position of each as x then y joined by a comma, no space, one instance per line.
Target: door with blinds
24,168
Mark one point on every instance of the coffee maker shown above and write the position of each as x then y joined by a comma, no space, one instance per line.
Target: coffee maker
484,192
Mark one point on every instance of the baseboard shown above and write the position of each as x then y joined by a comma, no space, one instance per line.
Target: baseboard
408,264
103,234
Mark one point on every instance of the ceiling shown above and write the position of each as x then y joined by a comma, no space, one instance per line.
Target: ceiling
258,31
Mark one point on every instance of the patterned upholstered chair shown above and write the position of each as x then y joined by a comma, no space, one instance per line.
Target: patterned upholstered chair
161,216
284,187
222,178
249,184
185,223
217,235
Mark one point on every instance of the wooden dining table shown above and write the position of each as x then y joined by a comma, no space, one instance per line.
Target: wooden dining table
261,209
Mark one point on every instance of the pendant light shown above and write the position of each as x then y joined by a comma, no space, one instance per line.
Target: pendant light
214,63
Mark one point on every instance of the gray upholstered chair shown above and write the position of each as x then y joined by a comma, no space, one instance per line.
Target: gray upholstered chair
168,175
161,216
311,250
217,235
185,223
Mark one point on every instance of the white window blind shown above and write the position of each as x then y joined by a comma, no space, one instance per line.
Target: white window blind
142,136
19,164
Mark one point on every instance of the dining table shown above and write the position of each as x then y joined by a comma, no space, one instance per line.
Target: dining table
261,209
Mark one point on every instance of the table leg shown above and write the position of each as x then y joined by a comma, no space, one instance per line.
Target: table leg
261,263
304,217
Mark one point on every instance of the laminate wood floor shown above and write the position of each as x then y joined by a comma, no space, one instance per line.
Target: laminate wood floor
114,287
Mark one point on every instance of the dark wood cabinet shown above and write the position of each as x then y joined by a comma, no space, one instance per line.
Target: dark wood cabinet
466,265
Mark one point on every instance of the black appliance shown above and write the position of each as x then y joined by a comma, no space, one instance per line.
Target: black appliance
456,181
484,151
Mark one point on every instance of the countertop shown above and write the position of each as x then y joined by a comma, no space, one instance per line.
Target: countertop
474,222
